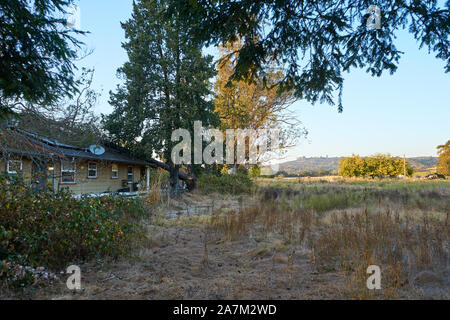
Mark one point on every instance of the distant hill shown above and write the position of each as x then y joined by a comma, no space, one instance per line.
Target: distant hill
332,164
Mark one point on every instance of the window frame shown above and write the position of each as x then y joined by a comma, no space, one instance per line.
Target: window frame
96,170
112,171
132,174
74,171
8,166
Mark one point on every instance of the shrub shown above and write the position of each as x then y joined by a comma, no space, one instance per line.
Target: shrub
255,171
42,229
375,166
228,184
159,181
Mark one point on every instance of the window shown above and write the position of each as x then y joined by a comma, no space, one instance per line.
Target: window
68,173
14,166
130,174
114,171
92,170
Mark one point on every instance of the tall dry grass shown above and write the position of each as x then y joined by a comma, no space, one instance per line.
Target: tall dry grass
402,228
157,183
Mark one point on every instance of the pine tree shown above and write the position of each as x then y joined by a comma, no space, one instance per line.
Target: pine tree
167,84
318,40
37,50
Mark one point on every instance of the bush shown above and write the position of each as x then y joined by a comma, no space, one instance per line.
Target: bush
42,229
254,171
228,183
379,165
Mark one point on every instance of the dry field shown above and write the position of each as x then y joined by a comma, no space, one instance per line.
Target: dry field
291,239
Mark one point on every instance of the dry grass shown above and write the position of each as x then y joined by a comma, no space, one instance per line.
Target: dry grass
402,228
158,181
291,240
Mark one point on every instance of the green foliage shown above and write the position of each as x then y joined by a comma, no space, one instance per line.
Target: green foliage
443,166
376,166
254,171
36,53
225,184
167,84
317,40
322,196
242,170
224,169
167,80
40,229
325,202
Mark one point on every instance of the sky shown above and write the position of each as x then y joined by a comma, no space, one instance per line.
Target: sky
407,113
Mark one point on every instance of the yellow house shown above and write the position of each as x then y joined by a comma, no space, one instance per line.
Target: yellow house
91,170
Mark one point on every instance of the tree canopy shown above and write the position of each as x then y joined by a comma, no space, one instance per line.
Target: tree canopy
253,105
243,105
315,41
379,165
37,50
167,84
443,166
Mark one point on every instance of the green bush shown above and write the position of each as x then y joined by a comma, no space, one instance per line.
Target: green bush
227,183
42,229
379,165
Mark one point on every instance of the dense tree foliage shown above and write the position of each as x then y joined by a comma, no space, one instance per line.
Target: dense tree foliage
243,105
36,53
376,166
253,105
317,40
443,166
167,84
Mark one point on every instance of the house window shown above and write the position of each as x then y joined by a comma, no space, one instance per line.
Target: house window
92,170
68,173
114,171
130,174
14,166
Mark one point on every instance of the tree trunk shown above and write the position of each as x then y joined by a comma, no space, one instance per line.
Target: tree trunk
191,184
181,175
174,180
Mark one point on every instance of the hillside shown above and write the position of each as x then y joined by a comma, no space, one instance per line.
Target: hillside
332,164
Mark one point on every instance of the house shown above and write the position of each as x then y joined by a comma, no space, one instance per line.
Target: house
43,161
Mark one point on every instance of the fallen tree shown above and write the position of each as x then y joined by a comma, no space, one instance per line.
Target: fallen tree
191,180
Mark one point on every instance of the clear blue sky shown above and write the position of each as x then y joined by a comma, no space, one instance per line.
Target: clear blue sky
406,113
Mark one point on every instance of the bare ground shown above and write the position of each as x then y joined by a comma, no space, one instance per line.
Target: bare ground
175,266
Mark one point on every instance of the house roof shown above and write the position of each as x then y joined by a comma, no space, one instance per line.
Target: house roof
44,146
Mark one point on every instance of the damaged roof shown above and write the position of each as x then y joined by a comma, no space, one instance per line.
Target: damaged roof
44,146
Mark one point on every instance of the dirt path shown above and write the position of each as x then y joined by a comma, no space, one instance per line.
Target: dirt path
174,265
177,263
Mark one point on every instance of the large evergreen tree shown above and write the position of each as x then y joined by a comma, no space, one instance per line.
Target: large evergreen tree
37,49
167,84
317,40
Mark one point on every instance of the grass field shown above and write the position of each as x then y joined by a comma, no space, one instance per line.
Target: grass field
289,239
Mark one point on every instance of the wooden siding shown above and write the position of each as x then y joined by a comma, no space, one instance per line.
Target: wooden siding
104,181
